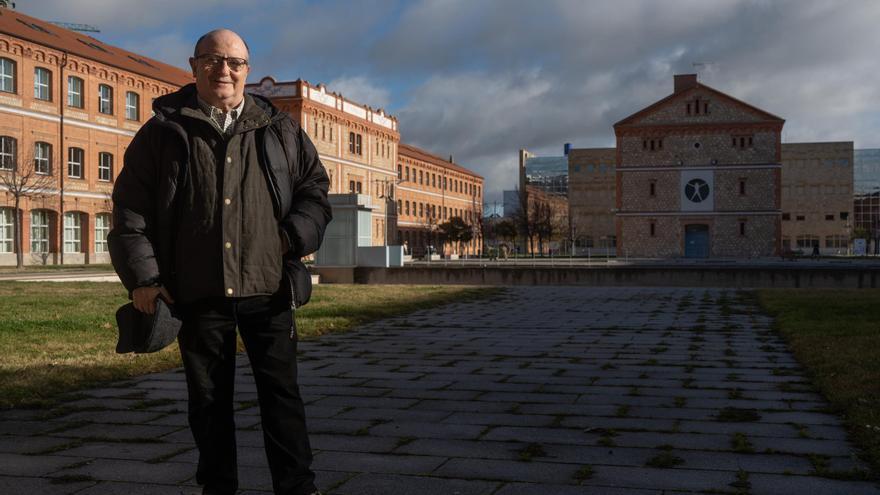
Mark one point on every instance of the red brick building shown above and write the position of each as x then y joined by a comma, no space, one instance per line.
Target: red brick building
431,191
69,106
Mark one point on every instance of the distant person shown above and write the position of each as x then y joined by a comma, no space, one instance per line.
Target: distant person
405,248
815,253
220,196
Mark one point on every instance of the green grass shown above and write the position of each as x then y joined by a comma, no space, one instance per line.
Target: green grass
835,336
96,267
60,337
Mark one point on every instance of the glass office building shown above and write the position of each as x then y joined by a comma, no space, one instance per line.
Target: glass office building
866,199
549,173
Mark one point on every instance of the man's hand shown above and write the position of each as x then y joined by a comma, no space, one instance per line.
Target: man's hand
144,298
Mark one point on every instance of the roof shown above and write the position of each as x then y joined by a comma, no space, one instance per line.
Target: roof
420,154
16,24
698,86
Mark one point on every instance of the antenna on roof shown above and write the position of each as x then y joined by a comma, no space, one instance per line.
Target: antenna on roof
75,27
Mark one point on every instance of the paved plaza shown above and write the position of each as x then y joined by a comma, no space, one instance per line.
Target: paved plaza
538,391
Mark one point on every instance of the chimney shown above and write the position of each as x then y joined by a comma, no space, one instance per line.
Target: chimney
684,82
450,159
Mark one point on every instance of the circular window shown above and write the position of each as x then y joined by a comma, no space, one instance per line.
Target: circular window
697,145
696,190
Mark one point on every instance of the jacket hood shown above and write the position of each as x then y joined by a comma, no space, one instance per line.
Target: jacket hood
167,107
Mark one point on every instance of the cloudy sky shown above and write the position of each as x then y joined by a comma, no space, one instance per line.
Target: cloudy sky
480,79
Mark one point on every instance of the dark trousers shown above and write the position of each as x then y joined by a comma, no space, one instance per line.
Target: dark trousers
208,346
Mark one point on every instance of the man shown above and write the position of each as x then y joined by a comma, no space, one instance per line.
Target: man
220,197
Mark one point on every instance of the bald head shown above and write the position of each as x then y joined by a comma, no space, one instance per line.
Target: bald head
222,33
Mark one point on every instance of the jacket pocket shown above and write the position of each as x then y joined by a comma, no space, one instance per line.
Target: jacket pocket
300,281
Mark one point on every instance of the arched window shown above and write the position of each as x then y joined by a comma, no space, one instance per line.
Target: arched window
73,232
102,228
132,106
7,75
43,158
6,230
42,84
8,153
39,231
75,157
105,167
105,99
74,92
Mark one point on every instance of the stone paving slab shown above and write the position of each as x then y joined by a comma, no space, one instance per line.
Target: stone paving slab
542,390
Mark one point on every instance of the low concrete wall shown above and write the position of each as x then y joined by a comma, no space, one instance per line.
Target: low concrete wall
638,276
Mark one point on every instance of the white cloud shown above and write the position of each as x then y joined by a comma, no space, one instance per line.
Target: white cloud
361,90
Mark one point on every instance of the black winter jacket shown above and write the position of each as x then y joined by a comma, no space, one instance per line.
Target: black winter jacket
142,239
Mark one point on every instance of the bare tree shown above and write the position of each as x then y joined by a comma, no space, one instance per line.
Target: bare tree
26,179
524,219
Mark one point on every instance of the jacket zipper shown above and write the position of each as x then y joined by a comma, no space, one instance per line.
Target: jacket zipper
292,310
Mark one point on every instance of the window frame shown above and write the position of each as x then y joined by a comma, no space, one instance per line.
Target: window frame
40,86
75,98
8,69
105,102
39,148
71,151
136,107
105,170
8,153
75,226
40,231
7,234
101,232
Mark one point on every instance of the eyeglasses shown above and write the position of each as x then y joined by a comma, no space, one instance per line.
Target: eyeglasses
210,61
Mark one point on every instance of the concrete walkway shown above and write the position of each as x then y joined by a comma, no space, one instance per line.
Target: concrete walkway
542,391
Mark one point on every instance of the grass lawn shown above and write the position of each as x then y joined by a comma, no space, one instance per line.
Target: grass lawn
835,335
59,337
6,270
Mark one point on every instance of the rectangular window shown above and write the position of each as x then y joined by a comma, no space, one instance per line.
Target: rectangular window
351,186
742,187
42,158
399,172
786,216
72,232
6,231
742,228
407,173
7,75
800,218
359,187
39,231
357,144
102,227
8,153
132,106
105,99
42,84
844,215
807,241
105,167
653,229
74,92
406,207
75,162
652,188
421,177
351,142
829,217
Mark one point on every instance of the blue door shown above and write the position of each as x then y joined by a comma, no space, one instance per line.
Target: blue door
696,241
